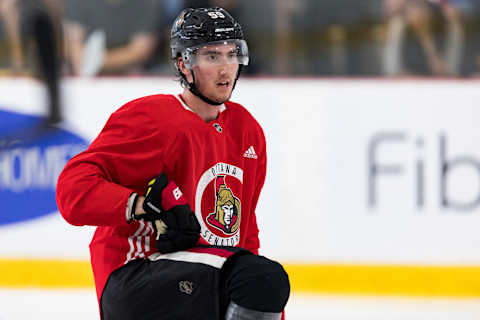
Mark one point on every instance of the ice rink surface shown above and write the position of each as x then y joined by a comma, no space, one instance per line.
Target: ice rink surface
81,304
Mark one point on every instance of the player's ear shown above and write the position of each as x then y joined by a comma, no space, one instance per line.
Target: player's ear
183,69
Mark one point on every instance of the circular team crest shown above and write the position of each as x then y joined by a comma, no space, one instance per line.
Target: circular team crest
217,205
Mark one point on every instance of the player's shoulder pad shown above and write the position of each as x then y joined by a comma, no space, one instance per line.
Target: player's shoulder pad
143,112
157,103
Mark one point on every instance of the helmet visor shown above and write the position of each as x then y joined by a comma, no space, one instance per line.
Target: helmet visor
222,52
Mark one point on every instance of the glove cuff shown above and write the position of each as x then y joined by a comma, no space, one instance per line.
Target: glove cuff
131,205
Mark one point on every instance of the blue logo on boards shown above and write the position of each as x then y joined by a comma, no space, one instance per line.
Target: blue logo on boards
32,155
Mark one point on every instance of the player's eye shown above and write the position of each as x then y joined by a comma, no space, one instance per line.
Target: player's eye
212,57
232,55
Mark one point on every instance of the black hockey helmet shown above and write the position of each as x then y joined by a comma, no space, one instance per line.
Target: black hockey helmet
196,28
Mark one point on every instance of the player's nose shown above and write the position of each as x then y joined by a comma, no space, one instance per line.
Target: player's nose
223,68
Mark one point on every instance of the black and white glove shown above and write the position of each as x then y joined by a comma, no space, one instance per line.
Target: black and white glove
164,204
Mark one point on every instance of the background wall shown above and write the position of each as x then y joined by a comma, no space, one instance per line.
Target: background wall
360,172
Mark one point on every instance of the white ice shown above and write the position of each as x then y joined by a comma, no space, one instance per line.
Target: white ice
82,304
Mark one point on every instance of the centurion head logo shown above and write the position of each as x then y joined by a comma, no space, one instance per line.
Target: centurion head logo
227,210
218,204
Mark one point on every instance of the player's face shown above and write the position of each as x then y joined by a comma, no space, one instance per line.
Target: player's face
215,70
228,210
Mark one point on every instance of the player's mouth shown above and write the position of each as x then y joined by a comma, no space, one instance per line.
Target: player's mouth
223,84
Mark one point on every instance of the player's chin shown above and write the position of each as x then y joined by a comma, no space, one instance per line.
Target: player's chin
223,95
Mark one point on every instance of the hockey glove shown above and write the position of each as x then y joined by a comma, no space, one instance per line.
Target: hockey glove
165,205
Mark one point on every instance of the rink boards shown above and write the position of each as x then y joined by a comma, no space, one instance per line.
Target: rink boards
372,188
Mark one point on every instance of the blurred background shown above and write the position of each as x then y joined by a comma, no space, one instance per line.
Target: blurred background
305,37
370,112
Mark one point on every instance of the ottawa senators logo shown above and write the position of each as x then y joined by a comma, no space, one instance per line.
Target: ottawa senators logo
227,209
218,204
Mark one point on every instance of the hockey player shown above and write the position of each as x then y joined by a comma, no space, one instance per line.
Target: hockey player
153,256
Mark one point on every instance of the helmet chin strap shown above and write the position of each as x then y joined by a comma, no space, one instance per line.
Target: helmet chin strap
193,88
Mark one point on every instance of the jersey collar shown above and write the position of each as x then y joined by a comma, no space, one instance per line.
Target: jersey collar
221,107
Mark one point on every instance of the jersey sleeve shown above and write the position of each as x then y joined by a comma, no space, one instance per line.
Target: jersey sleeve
94,187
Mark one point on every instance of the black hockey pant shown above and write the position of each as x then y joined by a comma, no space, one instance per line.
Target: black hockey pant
178,287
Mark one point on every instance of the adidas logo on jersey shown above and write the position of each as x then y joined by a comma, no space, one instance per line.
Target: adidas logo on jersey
250,153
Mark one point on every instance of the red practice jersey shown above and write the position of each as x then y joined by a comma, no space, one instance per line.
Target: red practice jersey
219,166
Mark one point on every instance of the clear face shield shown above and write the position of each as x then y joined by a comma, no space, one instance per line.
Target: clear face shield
217,53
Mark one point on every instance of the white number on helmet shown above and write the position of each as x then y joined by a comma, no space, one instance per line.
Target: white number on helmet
216,14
